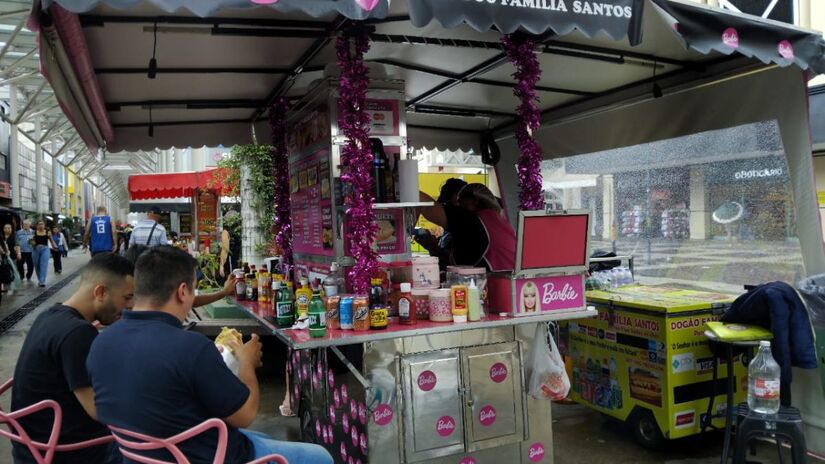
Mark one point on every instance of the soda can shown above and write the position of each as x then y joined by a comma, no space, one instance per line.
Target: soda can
333,314
345,312
361,313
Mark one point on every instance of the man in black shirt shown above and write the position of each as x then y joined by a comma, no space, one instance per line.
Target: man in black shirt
52,362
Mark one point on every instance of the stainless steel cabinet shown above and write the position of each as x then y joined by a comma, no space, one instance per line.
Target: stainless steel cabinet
462,400
493,411
433,420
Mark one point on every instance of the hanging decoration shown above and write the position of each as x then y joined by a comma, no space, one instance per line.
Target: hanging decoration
280,176
356,156
520,49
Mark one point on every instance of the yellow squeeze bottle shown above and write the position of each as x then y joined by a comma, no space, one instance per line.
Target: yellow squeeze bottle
302,297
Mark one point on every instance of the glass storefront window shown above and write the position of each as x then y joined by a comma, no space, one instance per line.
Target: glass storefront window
712,210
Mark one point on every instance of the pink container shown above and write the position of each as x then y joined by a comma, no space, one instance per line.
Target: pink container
425,272
421,300
440,308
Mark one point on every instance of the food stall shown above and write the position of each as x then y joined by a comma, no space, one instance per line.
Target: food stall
645,360
617,73
199,187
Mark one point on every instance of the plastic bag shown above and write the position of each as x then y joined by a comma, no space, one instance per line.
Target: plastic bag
548,378
812,291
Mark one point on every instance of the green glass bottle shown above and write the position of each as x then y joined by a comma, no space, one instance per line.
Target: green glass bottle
284,310
317,316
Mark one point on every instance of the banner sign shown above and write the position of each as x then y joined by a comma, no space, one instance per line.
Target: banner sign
617,18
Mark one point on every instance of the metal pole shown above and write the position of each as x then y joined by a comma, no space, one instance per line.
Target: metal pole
38,168
14,149
55,174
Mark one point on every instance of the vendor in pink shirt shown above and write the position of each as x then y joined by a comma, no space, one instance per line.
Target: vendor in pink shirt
481,234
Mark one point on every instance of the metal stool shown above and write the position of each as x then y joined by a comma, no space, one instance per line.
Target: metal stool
731,388
786,424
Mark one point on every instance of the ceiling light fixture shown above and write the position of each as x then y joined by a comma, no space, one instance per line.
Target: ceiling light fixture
153,63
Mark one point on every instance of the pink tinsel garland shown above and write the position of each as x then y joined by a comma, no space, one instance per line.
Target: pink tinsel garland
280,176
356,157
521,52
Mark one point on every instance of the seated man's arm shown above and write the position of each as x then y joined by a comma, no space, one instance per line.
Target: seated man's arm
249,358
234,399
73,352
86,397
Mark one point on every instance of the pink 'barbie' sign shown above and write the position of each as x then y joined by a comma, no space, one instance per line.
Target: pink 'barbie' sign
536,294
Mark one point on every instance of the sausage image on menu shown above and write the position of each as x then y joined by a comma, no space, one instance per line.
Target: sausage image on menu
645,386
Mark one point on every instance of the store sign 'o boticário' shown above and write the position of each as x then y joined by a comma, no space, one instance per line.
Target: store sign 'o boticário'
616,18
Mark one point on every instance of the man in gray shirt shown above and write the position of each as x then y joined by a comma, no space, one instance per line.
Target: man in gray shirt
149,232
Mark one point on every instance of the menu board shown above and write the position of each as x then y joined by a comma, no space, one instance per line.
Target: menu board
207,213
384,117
310,131
311,199
391,237
185,223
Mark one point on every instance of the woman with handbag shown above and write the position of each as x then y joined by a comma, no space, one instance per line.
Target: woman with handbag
42,243
57,253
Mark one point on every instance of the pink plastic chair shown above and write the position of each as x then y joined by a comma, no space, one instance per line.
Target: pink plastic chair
43,453
131,443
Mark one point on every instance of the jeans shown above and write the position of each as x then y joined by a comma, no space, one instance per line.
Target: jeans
41,263
25,258
57,258
295,453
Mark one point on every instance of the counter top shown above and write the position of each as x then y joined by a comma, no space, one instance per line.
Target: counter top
300,339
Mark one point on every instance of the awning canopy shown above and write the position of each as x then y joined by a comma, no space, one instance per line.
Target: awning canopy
172,185
217,75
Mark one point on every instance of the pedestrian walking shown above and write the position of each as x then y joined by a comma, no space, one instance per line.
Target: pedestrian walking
60,248
24,241
43,244
149,231
101,235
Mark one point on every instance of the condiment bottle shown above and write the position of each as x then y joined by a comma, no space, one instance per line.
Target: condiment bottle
302,297
251,288
406,306
473,302
264,283
317,316
458,302
284,310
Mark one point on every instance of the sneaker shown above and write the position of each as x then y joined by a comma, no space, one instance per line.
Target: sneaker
41,285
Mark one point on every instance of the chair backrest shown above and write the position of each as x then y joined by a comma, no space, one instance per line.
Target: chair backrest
133,443
43,453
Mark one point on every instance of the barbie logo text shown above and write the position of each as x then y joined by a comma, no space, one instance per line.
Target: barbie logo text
487,416
498,373
382,414
536,452
445,426
550,294
426,381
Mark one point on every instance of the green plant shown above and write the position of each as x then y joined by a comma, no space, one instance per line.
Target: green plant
208,263
259,160
69,224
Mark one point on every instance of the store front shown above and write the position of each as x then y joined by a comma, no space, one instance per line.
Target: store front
761,186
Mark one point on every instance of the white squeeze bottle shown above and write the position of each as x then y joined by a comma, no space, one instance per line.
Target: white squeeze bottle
473,302
763,381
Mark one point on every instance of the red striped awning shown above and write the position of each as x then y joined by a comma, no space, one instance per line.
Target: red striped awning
173,184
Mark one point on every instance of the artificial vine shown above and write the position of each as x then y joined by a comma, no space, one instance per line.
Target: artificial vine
259,160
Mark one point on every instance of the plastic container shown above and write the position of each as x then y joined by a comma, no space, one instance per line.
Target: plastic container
440,307
406,306
473,302
425,273
463,275
421,300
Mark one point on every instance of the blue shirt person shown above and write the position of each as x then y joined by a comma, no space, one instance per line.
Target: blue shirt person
101,235
152,377
24,235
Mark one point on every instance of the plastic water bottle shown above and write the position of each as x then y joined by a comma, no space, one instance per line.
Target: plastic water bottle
763,381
